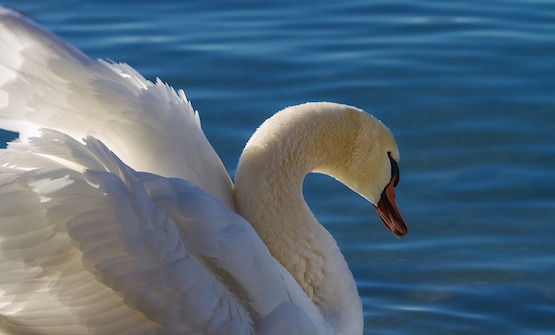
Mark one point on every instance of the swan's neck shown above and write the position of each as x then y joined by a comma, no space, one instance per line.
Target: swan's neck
268,193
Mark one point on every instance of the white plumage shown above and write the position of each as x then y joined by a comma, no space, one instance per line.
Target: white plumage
48,83
117,216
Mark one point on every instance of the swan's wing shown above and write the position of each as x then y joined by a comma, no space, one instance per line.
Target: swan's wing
43,285
89,245
231,249
47,83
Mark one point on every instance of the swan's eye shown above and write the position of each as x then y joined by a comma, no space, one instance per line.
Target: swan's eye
394,170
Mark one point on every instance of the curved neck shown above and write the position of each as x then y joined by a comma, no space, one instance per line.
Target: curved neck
268,193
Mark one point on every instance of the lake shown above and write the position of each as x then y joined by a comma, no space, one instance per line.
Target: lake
468,89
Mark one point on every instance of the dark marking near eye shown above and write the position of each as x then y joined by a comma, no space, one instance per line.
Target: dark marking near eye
395,174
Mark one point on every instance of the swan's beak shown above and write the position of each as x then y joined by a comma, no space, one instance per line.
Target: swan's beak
387,209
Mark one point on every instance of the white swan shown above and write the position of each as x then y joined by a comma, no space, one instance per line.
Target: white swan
89,245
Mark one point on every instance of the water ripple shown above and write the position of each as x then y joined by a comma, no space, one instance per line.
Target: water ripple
467,88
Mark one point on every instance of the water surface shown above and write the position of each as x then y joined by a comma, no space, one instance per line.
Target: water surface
467,88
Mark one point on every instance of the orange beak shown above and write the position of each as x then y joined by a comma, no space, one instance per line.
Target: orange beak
387,208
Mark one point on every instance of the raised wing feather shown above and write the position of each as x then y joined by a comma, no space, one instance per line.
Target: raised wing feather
46,83
91,246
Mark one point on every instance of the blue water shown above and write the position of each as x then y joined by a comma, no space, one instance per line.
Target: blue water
468,90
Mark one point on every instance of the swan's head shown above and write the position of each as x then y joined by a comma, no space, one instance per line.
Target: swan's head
375,167
371,168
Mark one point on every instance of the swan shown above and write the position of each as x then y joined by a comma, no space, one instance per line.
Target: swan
118,217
